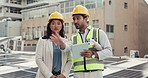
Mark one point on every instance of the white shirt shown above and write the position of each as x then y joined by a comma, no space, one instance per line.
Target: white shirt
104,42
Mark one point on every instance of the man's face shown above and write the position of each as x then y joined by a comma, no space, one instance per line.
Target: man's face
78,21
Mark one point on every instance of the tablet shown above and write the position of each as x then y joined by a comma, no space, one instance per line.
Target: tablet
77,48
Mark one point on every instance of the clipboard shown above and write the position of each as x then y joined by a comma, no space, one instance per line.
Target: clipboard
77,48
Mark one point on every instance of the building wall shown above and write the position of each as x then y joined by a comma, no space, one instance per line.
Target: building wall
122,37
142,26
135,17
33,23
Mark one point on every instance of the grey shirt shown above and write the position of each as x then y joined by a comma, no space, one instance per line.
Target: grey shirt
57,58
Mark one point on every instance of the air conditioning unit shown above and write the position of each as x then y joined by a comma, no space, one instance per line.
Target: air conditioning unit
30,37
146,56
24,35
134,53
27,37
19,42
39,33
36,34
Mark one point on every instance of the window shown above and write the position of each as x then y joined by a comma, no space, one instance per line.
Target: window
66,27
110,31
125,49
125,28
28,30
15,1
31,1
33,44
90,4
39,31
28,44
15,10
125,5
110,2
110,28
33,31
0,9
69,6
79,2
62,7
96,23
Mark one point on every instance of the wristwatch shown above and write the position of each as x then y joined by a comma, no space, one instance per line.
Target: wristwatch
93,56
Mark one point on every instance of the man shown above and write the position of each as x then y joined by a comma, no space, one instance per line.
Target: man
88,65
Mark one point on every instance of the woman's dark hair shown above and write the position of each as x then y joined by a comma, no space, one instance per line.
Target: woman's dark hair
49,31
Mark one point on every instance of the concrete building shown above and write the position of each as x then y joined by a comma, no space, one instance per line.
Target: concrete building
10,9
124,21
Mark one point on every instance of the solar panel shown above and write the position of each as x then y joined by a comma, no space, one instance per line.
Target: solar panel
114,59
119,62
33,69
28,76
126,74
143,67
11,61
18,74
105,62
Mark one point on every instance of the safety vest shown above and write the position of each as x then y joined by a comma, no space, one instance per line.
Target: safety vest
84,63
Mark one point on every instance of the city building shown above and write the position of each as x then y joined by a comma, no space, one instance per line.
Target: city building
126,25
11,9
124,21
10,18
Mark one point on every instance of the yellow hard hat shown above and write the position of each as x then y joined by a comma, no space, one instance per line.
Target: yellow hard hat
79,9
56,15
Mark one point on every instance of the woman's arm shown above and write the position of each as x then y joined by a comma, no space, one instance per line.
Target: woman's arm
67,44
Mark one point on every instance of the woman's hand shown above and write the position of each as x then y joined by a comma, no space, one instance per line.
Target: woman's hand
61,76
57,40
53,76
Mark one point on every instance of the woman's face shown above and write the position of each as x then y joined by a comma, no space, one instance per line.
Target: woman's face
56,26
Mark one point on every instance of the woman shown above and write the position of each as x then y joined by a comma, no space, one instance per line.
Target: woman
53,55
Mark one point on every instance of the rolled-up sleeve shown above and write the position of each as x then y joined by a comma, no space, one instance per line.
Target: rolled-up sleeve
104,42
68,45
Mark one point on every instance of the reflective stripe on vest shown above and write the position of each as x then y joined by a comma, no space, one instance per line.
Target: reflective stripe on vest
83,64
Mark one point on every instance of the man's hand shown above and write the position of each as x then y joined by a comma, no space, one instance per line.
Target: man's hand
61,76
87,53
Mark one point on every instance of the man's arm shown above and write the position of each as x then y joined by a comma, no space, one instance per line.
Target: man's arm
106,46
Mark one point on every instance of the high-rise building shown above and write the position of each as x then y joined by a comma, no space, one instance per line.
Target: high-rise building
124,21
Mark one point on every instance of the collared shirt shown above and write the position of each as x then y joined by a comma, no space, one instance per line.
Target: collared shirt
85,33
104,42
